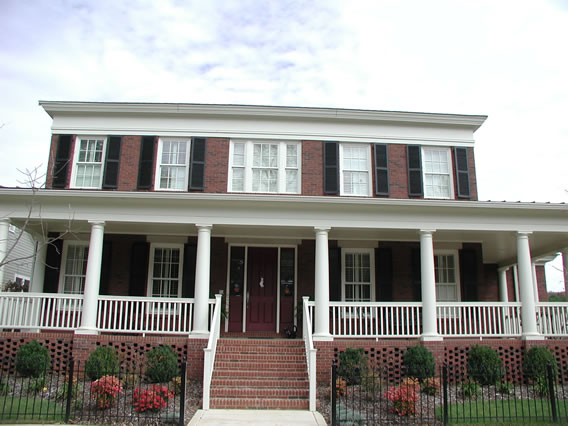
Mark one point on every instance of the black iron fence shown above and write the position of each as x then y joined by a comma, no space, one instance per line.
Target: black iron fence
450,397
70,396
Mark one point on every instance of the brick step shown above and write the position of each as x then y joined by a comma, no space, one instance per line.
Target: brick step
281,343
256,357
259,365
281,382
259,393
263,349
257,403
275,374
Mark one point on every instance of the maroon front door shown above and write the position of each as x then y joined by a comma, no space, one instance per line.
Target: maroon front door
262,268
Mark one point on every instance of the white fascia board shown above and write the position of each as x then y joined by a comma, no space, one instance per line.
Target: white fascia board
282,211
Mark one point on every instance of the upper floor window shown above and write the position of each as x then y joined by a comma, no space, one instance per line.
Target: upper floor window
88,162
165,274
447,281
437,166
264,166
357,275
173,164
74,267
355,161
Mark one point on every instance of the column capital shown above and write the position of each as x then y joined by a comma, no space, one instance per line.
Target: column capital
97,223
523,234
426,231
203,226
503,268
325,229
5,221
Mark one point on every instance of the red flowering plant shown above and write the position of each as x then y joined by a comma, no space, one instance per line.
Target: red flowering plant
105,390
153,399
404,397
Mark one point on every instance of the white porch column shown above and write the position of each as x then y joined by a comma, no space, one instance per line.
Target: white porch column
202,275
565,269
429,313
92,280
321,329
4,231
39,267
526,288
503,289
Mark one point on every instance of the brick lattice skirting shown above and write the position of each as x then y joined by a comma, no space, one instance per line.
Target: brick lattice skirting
131,349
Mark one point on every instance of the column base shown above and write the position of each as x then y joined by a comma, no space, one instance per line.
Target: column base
87,331
535,336
322,338
199,334
431,338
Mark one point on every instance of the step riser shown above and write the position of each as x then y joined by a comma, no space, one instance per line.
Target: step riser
267,404
260,383
259,393
235,365
275,374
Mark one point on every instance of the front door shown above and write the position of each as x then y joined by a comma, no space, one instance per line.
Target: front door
262,274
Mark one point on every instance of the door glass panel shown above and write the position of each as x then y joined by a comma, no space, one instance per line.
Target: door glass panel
237,274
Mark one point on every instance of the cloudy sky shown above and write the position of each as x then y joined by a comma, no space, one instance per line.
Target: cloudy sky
505,59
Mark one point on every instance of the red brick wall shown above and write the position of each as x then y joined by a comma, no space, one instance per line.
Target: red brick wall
312,168
398,174
541,283
51,161
217,165
129,162
472,174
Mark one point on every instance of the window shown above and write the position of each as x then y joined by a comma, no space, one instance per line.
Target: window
72,280
437,166
88,162
357,275
173,163
23,282
355,174
264,166
166,266
447,281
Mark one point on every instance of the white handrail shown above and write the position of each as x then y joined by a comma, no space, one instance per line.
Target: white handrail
311,357
209,352
552,318
479,319
45,311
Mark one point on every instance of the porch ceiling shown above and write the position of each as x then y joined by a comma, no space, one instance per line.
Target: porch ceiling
267,219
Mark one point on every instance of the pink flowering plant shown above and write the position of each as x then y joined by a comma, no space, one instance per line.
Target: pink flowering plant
105,390
153,399
404,397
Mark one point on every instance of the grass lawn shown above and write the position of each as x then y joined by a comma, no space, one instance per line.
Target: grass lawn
504,411
28,409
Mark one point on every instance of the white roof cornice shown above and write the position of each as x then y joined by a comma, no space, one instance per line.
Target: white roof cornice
54,108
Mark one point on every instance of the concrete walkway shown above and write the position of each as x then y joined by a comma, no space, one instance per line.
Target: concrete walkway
257,417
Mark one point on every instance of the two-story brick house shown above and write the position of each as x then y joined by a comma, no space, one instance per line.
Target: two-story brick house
151,209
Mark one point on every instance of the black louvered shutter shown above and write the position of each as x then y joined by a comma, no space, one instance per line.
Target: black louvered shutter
462,172
106,264
381,169
197,166
188,279
383,274
110,179
61,168
52,264
468,271
335,274
414,161
416,275
330,167
146,166
139,256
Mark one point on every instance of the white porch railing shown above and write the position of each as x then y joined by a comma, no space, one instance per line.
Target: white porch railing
47,311
375,319
479,319
210,350
552,319
311,357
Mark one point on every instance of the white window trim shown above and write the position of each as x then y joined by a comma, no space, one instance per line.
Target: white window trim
12,228
248,166
371,253
451,196
455,254
66,244
149,284
370,174
76,149
157,170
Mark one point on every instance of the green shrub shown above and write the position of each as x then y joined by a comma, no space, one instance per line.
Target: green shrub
103,361
35,384
353,365
469,389
536,361
161,364
419,362
484,365
32,359
506,388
